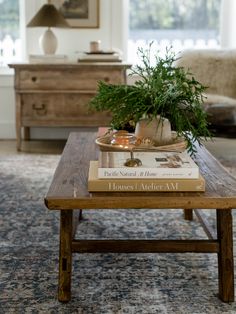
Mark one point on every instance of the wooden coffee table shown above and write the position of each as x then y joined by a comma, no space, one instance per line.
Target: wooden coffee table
68,192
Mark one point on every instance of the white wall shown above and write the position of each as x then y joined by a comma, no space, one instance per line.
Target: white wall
7,107
70,42
227,24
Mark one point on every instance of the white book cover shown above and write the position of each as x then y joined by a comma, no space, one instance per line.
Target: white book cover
154,165
48,58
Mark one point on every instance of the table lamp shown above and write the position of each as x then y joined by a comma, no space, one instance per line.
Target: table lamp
48,16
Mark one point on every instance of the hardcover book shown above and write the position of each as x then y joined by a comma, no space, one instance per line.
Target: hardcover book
48,58
155,165
98,57
140,185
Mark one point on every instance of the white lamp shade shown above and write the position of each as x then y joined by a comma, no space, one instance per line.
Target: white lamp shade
48,42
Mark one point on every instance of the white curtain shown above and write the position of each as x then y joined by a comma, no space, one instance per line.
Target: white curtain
228,24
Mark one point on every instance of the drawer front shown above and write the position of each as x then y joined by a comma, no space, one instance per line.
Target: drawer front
73,79
60,109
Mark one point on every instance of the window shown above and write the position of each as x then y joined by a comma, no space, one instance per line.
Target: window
178,23
10,47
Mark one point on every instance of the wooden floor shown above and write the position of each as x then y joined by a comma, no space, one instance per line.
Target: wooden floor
33,147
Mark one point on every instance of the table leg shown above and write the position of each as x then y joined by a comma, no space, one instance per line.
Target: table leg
18,138
77,217
65,257
80,215
18,121
26,133
188,214
225,255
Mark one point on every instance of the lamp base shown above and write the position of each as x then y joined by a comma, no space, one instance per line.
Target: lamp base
48,42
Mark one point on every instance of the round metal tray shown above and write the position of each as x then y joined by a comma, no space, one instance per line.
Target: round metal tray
178,144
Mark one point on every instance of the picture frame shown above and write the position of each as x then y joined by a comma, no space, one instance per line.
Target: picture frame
79,13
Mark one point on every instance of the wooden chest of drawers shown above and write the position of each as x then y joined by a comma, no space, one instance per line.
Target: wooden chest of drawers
57,95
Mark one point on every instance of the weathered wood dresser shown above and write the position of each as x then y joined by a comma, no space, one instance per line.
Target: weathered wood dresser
57,95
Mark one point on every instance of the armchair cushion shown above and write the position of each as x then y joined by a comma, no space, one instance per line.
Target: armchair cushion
215,69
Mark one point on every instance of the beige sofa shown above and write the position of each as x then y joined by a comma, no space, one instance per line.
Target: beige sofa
215,69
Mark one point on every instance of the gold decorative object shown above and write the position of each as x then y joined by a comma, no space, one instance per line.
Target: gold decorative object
126,141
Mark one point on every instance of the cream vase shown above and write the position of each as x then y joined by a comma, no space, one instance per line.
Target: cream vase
157,130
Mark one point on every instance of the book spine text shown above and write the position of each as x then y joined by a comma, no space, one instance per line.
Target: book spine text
172,186
157,173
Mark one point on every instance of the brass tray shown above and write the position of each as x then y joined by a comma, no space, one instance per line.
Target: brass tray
178,144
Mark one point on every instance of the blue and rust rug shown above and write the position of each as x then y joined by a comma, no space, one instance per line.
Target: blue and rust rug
101,283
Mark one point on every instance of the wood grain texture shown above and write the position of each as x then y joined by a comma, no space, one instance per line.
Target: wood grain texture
65,256
225,255
26,133
18,120
57,95
68,191
77,217
188,214
69,187
66,109
145,246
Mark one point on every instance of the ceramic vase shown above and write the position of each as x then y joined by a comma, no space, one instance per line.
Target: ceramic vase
157,130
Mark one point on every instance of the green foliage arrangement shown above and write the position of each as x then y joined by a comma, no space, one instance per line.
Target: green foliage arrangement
162,89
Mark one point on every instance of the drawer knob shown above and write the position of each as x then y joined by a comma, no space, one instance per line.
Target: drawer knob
34,78
40,109
106,79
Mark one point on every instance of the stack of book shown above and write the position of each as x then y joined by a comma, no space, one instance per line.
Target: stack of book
160,172
101,56
48,58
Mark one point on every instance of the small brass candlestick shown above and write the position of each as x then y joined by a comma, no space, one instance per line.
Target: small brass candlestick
126,141
132,162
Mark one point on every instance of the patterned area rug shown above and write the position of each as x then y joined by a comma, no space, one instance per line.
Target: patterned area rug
101,283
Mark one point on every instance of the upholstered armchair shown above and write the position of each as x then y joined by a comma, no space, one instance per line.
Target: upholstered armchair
215,69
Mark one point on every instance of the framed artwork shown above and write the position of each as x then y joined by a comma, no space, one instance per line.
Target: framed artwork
79,13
